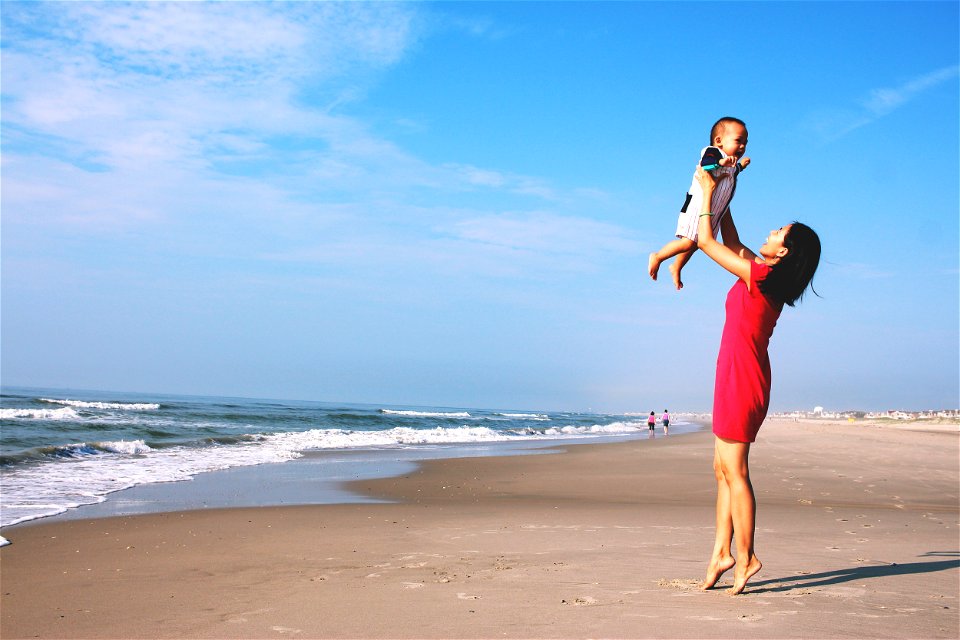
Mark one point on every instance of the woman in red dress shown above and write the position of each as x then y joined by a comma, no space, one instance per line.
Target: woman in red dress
778,275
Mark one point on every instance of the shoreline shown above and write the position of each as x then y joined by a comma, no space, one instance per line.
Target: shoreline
598,540
319,477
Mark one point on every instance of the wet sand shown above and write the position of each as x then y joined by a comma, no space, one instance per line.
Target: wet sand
857,530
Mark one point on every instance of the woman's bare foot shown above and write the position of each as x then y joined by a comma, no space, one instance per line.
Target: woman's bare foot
715,569
744,573
653,265
675,273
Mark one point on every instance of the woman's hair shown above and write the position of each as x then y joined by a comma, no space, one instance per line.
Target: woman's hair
789,278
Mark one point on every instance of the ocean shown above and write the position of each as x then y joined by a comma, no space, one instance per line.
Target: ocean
63,449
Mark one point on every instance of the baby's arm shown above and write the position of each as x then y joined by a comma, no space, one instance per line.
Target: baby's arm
712,158
729,161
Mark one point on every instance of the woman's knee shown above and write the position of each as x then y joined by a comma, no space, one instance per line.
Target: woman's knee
732,459
718,469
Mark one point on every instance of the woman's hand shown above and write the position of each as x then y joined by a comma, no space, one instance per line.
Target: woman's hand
706,179
738,265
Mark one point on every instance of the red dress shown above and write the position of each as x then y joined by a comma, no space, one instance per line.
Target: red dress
741,394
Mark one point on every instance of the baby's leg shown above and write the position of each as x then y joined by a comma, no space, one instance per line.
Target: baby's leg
672,248
678,265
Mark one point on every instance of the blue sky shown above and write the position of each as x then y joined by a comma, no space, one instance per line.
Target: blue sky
452,203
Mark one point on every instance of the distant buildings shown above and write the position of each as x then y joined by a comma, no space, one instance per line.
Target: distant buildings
892,414
820,412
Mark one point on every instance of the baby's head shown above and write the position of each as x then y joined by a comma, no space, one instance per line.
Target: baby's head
730,136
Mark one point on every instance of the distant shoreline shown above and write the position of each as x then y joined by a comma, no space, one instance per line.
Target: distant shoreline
945,425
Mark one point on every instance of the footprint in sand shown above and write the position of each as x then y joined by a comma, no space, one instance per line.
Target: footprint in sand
680,585
242,616
287,630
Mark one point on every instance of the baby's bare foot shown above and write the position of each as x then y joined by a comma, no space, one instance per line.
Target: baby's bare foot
743,574
653,266
675,273
715,569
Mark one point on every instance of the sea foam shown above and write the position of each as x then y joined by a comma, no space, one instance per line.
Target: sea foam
126,406
426,414
39,414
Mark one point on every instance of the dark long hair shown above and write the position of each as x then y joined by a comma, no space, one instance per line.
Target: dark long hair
789,278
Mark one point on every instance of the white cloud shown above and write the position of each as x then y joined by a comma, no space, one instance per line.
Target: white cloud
860,270
883,101
167,96
836,123
186,122
153,100
545,232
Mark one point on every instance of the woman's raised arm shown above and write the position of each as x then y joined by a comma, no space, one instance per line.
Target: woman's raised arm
731,239
725,256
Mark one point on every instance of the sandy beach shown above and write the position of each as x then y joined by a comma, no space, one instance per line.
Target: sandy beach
857,530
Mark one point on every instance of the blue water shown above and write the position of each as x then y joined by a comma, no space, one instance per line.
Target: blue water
62,449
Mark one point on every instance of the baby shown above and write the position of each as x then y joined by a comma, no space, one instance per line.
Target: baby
728,140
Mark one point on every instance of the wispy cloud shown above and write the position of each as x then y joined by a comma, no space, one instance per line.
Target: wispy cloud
142,107
544,232
149,101
860,270
224,132
834,124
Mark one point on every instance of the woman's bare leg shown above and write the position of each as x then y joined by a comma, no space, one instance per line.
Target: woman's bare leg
743,508
721,559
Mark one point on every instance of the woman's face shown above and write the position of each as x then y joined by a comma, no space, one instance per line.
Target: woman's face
773,246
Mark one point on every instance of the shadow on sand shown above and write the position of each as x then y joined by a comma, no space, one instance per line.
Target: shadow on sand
805,581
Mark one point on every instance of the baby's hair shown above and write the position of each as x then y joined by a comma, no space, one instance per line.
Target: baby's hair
722,123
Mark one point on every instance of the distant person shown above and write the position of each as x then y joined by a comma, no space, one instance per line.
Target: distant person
666,420
724,159
651,421
779,275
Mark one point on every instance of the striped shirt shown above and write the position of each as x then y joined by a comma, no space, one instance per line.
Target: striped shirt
689,217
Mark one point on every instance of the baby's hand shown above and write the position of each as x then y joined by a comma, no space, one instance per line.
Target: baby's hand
744,162
727,161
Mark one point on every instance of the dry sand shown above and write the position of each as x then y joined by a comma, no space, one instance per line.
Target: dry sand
857,530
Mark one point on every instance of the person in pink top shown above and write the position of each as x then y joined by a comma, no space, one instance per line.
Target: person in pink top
779,275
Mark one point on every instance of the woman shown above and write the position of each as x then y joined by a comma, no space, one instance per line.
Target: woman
778,276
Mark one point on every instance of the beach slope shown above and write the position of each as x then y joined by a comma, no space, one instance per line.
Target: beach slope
857,530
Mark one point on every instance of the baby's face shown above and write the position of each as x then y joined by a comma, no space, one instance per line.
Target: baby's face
733,140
